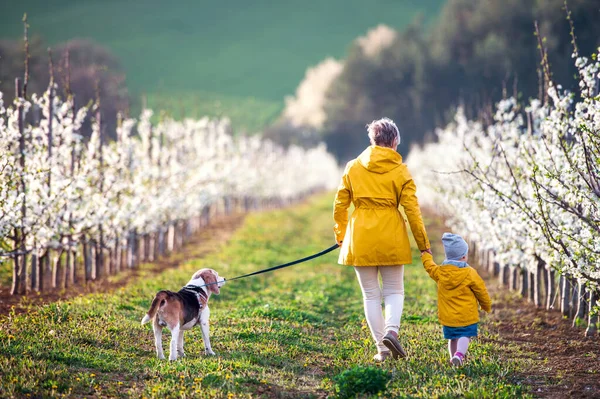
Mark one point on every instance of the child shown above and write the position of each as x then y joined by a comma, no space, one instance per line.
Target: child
460,288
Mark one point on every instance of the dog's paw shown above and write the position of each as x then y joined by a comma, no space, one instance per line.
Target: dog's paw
180,354
172,358
209,352
161,357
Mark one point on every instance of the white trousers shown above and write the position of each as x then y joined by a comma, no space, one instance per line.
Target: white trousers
392,288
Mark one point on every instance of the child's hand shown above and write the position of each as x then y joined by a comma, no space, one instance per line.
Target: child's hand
428,251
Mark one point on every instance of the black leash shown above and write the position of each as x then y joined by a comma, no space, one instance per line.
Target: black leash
270,269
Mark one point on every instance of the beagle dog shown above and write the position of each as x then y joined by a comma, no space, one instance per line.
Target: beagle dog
182,310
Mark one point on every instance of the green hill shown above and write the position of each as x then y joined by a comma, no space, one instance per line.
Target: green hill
224,52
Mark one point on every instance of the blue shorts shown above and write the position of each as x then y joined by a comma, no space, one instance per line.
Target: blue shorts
459,332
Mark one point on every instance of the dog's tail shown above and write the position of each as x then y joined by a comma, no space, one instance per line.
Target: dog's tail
158,301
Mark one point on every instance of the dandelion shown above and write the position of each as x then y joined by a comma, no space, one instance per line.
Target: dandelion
92,375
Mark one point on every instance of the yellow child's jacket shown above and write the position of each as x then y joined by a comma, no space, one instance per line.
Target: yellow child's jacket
459,290
377,182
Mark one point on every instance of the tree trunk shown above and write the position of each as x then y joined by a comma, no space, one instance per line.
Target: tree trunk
532,287
170,238
514,278
139,246
34,272
565,296
16,281
524,283
551,292
156,245
579,304
123,258
142,248
57,272
496,270
592,328
537,300
68,266
147,247
74,263
20,265
131,250
100,267
151,245
87,260
41,278
118,256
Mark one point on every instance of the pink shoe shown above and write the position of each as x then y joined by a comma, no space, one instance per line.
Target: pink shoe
458,359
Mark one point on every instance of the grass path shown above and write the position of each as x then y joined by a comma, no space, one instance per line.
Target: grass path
291,333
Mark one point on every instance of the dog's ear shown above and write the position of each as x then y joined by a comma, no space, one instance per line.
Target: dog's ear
209,277
198,274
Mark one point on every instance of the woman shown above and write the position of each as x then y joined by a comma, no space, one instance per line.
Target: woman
375,240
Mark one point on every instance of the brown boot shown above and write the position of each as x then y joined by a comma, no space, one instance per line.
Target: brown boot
393,344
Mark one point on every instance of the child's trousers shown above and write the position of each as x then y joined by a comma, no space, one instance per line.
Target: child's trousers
392,278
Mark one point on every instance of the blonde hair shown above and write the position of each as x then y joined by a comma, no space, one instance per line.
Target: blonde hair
382,132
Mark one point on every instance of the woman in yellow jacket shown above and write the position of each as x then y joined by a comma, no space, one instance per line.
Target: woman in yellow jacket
460,289
375,239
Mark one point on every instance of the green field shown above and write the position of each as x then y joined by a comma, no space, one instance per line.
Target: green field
218,51
292,333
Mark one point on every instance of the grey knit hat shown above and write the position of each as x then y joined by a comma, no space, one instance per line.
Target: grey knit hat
454,246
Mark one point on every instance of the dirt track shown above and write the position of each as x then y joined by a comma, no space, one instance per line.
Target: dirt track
563,363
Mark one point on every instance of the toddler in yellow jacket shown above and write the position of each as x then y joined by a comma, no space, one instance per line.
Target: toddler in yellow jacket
460,289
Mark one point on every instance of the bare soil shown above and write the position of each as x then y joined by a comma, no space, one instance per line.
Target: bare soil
560,361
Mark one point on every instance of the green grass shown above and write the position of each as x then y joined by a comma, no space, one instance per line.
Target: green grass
235,49
292,333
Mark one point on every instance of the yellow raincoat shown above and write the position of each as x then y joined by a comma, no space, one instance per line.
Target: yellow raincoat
377,182
459,291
